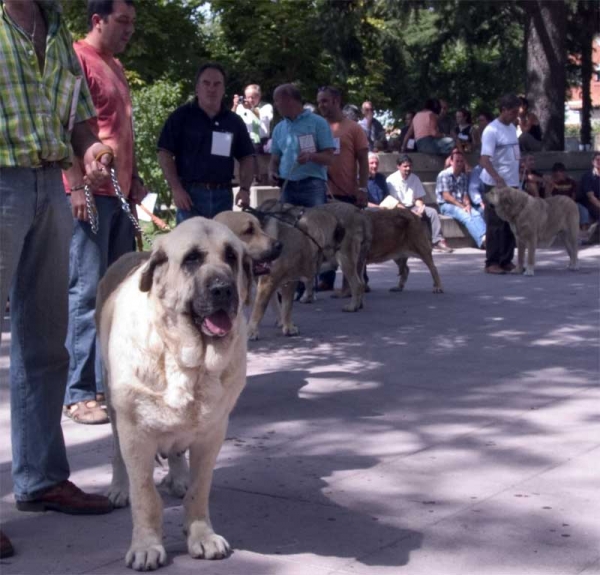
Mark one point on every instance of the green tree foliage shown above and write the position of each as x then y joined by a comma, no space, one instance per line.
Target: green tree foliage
168,42
151,107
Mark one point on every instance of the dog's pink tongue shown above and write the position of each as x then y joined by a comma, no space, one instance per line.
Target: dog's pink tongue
218,323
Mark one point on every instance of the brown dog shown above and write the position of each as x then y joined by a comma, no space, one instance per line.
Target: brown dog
536,222
352,254
398,234
310,237
261,247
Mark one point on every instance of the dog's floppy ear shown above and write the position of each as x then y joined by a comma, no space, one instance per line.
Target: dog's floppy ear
157,258
248,278
338,234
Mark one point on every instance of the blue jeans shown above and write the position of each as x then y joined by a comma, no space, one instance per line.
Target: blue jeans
90,256
35,230
206,203
308,192
473,221
431,145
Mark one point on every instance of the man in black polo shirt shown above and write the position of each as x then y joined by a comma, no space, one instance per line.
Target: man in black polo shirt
197,147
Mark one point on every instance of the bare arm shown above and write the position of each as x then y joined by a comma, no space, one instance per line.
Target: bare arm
166,161
486,163
274,169
593,200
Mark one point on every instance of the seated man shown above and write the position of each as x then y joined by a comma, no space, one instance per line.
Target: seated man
530,180
376,185
590,194
452,194
559,184
406,188
476,189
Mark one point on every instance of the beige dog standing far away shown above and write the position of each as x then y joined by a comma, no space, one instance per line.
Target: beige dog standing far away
536,222
173,338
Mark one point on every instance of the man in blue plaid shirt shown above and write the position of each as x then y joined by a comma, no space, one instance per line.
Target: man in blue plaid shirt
451,190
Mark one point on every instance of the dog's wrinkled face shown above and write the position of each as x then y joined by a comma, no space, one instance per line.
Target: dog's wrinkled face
261,247
199,273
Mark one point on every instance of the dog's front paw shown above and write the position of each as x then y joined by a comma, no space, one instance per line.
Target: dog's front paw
253,333
176,486
290,330
438,289
573,267
397,289
206,544
118,495
517,271
146,557
351,307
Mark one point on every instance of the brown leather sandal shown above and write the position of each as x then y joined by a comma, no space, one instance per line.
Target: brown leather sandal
88,412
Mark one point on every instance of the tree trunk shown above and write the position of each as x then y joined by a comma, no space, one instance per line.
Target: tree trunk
587,15
545,35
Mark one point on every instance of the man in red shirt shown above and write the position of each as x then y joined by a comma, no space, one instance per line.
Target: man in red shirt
348,175
110,27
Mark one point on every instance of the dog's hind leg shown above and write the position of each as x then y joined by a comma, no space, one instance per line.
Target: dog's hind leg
349,265
202,541
146,552
428,261
287,301
177,480
118,492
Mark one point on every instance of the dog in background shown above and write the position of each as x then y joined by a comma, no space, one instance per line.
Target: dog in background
309,238
174,344
398,234
536,222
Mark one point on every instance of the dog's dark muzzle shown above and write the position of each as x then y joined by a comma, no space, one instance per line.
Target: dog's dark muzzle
216,307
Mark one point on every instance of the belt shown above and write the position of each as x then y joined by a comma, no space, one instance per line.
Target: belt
45,165
212,185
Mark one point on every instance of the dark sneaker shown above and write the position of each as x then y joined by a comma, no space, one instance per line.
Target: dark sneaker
509,267
442,247
66,497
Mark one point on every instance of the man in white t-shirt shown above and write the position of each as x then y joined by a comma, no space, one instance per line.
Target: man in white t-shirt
500,162
256,115
406,188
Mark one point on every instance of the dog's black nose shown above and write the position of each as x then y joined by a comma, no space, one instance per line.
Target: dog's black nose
221,291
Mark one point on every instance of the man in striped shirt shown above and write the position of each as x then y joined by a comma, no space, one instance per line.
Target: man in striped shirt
44,105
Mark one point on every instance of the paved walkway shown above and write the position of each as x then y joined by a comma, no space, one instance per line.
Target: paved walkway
453,434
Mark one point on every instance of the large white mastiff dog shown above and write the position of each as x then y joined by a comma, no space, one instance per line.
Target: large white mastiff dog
173,340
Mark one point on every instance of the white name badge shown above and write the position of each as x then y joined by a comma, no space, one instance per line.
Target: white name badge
336,141
410,145
307,143
221,144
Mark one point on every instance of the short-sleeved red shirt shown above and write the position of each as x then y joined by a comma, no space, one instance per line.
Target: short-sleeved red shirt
113,124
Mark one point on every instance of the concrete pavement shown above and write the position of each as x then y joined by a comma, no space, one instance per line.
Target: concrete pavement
453,434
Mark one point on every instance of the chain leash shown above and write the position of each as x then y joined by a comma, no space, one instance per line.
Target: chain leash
91,209
93,213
